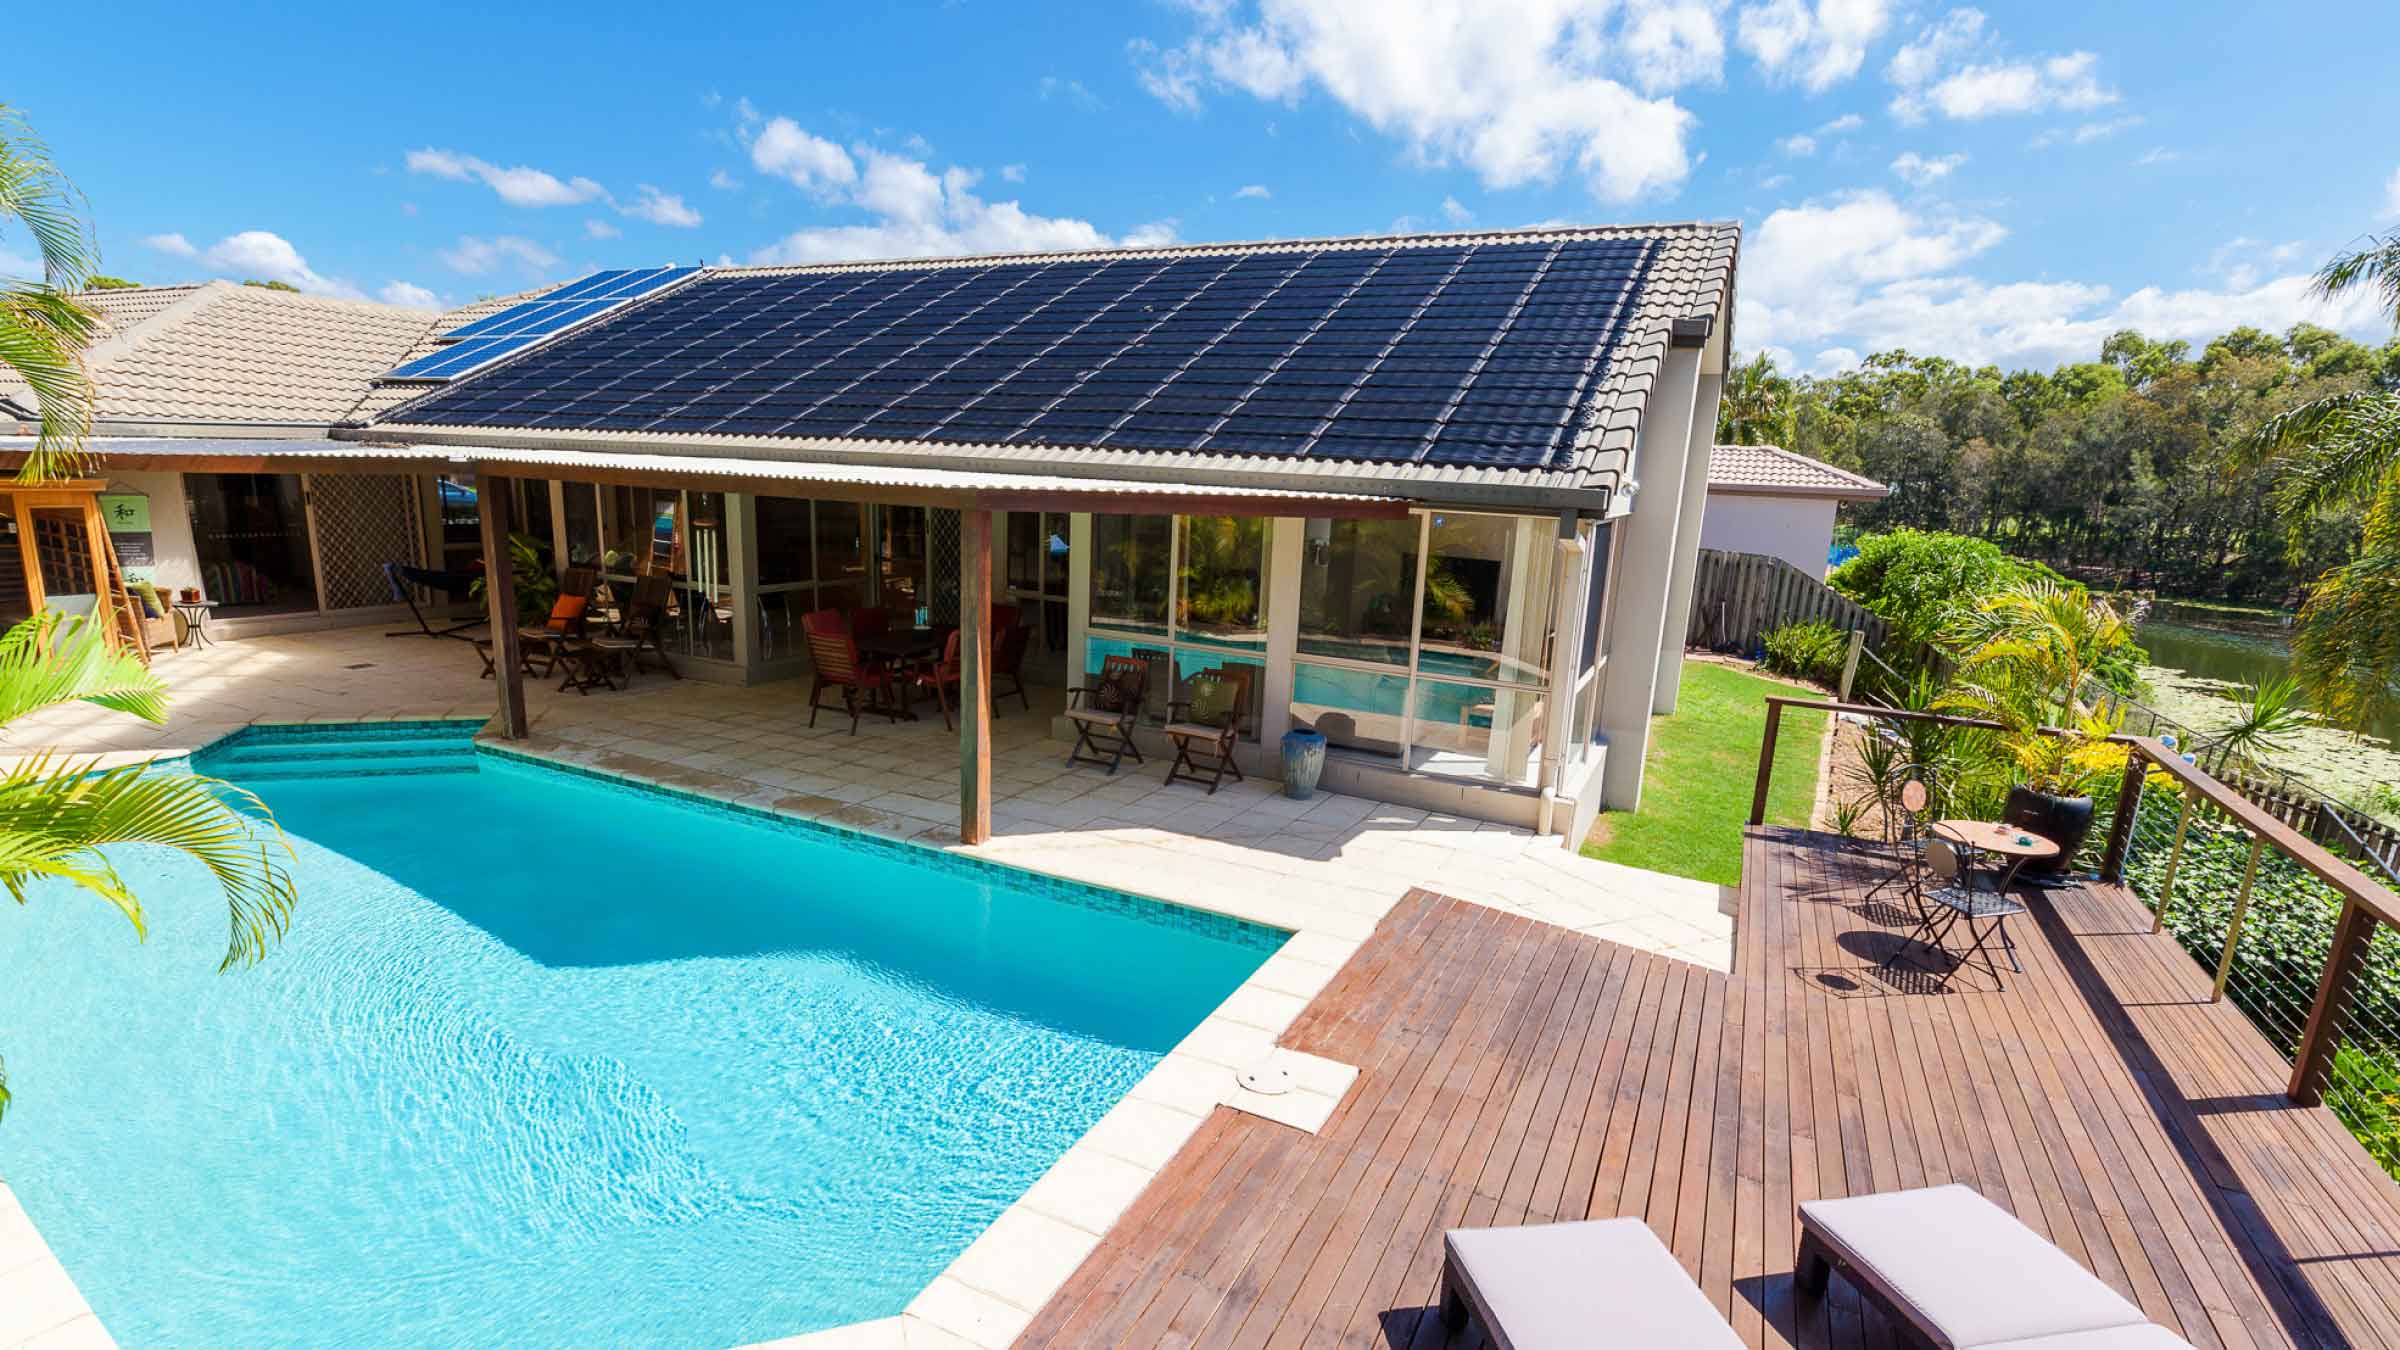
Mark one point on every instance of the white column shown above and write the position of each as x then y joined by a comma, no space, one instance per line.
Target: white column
1645,574
741,558
1687,543
557,488
1287,553
1079,592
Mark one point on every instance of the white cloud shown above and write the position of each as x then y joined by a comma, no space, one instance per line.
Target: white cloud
1842,125
1833,361
1255,190
724,182
1012,173
917,211
781,148
1775,180
1924,171
1798,147
1549,91
1814,46
1051,87
2157,154
660,208
2391,194
519,186
1953,67
1455,211
1861,273
596,228
173,245
409,295
266,256
475,257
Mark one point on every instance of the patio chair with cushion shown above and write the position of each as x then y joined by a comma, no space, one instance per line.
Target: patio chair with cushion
1106,713
941,677
1205,726
1566,1286
644,620
545,641
834,652
1961,1273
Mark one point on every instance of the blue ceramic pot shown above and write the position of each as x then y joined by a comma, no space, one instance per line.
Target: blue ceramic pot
1303,762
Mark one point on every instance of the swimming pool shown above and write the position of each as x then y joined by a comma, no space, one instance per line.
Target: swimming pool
551,1060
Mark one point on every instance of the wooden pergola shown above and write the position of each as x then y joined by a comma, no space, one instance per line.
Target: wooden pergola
975,506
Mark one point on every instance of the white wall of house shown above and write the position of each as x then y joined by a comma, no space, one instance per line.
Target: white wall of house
176,559
1798,530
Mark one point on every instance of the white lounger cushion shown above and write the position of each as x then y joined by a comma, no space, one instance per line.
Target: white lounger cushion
1583,1286
2147,1336
1966,1271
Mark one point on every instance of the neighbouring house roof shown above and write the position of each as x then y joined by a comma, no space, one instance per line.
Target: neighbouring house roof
1473,367
217,358
1770,471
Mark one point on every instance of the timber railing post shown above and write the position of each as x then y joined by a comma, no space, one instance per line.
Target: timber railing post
2166,887
2313,1065
2129,812
2233,929
1766,762
1858,644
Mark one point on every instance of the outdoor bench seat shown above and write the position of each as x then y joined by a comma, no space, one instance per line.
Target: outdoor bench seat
1571,1286
1966,1275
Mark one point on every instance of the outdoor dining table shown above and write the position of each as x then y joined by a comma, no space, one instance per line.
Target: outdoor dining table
902,647
2013,842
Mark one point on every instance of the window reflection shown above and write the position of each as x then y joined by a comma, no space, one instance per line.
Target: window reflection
1358,581
1129,572
1221,583
1487,605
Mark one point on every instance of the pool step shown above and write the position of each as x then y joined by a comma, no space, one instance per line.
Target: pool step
272,754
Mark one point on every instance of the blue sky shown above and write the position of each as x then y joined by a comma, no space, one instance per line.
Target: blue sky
2004,185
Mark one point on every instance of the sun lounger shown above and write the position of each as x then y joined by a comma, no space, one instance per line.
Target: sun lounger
1570,1286
1965,1274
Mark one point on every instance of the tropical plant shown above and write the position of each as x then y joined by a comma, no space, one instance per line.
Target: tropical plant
536,586
1812,651
2026,656
1920,581
2342,453
1755,409
2270,713
59,816
43,331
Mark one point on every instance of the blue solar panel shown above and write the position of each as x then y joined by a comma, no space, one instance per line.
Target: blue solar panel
456,360
1474,354
576,303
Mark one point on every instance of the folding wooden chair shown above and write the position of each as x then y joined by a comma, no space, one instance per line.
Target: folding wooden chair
1106,713
1208,725
834,652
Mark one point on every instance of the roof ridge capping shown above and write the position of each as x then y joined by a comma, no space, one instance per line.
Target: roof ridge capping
1731,229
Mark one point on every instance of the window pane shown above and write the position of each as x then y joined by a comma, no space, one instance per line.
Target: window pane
1357,709
1024,552
583,524
902,554
1488,598
462,528
841,555
784,541
1221,598
1129,572
1477,732
1595,600
643,530
534,521
1358,579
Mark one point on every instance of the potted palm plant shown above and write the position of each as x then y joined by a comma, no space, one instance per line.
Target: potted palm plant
2026,657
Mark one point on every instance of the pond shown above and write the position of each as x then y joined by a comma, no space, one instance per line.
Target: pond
2234,659
2197,673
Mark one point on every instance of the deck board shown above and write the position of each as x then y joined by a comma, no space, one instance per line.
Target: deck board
1513,1072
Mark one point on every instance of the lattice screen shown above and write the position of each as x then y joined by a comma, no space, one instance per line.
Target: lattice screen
363,522
941,554
65,549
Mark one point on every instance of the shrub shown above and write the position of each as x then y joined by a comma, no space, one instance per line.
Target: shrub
1918,580
1812,651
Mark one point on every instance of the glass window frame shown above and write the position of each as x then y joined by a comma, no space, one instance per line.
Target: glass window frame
1414,670
1177,648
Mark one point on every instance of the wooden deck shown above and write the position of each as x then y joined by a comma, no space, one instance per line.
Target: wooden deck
1516,1072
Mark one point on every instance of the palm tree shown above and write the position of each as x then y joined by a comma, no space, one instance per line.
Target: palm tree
58,815
1756,409
2026,657
2333,454
42,330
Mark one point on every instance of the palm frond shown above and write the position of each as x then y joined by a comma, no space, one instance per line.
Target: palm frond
35,193
2376,265
51,659
56,816
42,330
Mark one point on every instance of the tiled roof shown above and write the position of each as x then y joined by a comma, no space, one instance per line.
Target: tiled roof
224,355
1770,471
377,398
217,355
1518,360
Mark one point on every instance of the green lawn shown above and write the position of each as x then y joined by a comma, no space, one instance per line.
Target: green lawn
1703,763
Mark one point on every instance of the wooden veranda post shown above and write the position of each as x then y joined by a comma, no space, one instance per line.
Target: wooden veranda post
2312,1064
500,603
1766,763
974,676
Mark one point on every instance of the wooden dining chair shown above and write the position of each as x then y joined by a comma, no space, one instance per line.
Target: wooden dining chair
870,620
1205,724
942,677
1106,712
1008,663
834,652
644,620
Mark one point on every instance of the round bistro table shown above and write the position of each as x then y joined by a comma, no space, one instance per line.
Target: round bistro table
1994,837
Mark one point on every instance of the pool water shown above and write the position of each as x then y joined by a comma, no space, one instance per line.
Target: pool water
548,1060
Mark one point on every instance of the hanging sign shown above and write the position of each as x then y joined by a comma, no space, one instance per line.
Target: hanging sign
127,516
